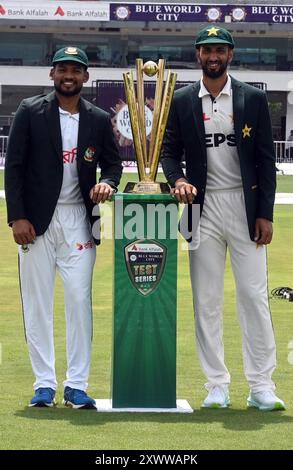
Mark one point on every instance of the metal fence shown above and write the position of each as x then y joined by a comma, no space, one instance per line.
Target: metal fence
283,149
3,147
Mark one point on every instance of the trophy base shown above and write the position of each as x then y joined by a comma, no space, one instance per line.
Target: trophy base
147,187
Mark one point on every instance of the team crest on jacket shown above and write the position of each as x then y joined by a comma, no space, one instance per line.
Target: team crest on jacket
89,154
246,131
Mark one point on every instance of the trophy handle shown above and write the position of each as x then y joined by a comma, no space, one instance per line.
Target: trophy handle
141,108
157,107
163,119
136,130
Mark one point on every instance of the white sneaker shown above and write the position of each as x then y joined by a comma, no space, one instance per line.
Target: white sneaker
218,397
265,401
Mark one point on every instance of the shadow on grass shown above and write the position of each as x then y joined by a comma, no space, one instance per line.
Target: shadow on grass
236,420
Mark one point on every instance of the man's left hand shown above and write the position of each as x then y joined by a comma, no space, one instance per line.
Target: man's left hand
101,192
263,231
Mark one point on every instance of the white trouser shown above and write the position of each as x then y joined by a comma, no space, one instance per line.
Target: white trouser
68,247
224,224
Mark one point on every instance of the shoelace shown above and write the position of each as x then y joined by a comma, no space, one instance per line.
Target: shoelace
44,391
217,389
266,393
78,395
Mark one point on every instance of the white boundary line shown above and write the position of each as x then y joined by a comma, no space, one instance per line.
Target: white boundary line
281,198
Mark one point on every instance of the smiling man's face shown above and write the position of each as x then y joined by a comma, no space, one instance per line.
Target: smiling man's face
69,78
214,59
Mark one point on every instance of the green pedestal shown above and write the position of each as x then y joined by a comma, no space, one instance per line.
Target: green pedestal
145,297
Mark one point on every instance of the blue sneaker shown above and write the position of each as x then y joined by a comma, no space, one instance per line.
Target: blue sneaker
43,397
78,399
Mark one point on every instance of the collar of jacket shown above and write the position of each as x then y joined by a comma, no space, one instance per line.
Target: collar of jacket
238,112
51,111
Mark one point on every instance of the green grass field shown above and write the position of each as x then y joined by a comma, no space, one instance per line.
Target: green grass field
284,183
62,428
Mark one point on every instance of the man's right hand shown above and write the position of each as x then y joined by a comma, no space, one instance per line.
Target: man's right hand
23,232
184,191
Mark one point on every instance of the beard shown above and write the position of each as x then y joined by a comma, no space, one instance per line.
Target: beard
75,91
214,73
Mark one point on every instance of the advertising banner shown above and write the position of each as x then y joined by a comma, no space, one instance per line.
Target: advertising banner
188,12
143,11
64,11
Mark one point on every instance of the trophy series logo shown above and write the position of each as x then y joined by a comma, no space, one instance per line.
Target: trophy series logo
145,262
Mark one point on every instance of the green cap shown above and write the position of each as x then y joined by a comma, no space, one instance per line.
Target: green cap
70,54
214,35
